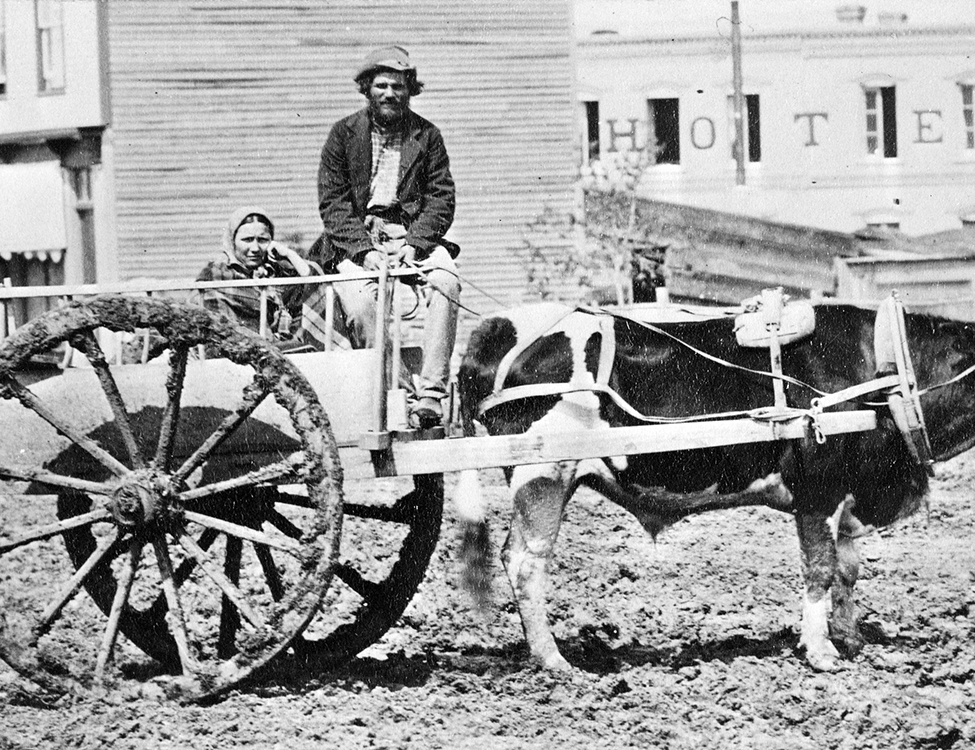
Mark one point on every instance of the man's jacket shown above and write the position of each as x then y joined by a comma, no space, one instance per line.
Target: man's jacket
425,190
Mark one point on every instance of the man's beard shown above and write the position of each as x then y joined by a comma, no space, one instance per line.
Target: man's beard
387,115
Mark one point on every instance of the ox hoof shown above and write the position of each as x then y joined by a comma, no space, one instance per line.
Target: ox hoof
821,654
823,659
849,644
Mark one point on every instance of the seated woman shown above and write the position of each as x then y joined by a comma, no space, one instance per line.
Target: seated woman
250,252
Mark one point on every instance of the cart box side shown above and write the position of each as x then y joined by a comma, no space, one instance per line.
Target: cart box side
341,379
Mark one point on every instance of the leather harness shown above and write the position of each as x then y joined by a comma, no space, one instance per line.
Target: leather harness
896,376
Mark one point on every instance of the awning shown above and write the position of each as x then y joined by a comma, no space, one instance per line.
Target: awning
32,208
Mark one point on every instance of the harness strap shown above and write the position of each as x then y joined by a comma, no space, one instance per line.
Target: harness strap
556,316
607,350
534,390
604,368
854,391
960,376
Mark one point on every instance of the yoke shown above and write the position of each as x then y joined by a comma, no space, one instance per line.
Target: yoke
893,357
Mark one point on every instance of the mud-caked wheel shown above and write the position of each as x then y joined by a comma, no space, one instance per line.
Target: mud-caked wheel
164,491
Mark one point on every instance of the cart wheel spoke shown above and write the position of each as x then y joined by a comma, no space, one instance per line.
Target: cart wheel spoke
10,387
353,579
53,479
285,469
170,419
67,592
186,568
88,344
389,514
121,599
223,582
298,501
283,525
272,575
177,620
254,394
182,573
229,613
53,529
243,532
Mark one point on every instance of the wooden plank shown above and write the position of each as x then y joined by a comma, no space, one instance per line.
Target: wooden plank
165,285
457,454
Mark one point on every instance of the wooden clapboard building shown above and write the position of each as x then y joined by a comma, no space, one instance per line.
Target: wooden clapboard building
195,108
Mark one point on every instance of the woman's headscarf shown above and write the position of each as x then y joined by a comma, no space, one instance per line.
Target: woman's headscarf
234,223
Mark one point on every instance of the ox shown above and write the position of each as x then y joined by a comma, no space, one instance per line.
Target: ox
850,481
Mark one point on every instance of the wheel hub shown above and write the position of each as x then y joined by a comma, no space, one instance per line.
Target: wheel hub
141,499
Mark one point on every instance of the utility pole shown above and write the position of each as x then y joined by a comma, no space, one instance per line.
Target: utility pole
739,97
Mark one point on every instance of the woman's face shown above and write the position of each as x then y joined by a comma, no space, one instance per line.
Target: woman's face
250,244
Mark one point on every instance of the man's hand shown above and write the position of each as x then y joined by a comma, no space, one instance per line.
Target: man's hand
373,260
406,256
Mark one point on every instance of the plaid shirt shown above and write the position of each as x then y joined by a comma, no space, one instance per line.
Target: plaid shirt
244,303
386,151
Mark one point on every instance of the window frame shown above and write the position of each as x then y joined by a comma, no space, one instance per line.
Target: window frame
3,49
967,89
51,64
752,128
880,106
671,153
592,144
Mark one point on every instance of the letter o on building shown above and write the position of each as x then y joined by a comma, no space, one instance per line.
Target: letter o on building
705,139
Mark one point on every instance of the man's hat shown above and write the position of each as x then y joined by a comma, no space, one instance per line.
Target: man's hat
389,58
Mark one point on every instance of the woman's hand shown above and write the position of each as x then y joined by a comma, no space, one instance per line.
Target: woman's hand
279,250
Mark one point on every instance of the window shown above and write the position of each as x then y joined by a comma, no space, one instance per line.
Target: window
3,50
590,147
890,226
664,129
967,115
753,130
50,45
881,121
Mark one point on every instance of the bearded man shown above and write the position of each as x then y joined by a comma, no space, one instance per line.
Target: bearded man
386,196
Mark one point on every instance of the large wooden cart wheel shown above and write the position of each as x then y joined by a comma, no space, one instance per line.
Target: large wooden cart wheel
169,510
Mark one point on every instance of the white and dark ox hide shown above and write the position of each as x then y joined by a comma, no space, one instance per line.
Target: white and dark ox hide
866,478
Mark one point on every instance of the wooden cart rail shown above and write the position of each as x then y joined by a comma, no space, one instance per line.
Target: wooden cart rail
458,454
66,293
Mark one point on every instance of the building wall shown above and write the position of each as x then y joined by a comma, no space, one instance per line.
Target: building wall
814,169
221,103
50,171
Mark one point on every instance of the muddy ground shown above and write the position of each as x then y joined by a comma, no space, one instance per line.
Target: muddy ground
686,642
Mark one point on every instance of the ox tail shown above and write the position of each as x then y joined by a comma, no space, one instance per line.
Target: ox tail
475,538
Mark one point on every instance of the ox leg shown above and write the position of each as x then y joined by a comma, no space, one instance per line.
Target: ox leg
539,497
818,569
844,619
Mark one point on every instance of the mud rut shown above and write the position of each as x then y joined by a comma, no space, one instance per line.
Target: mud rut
686,643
